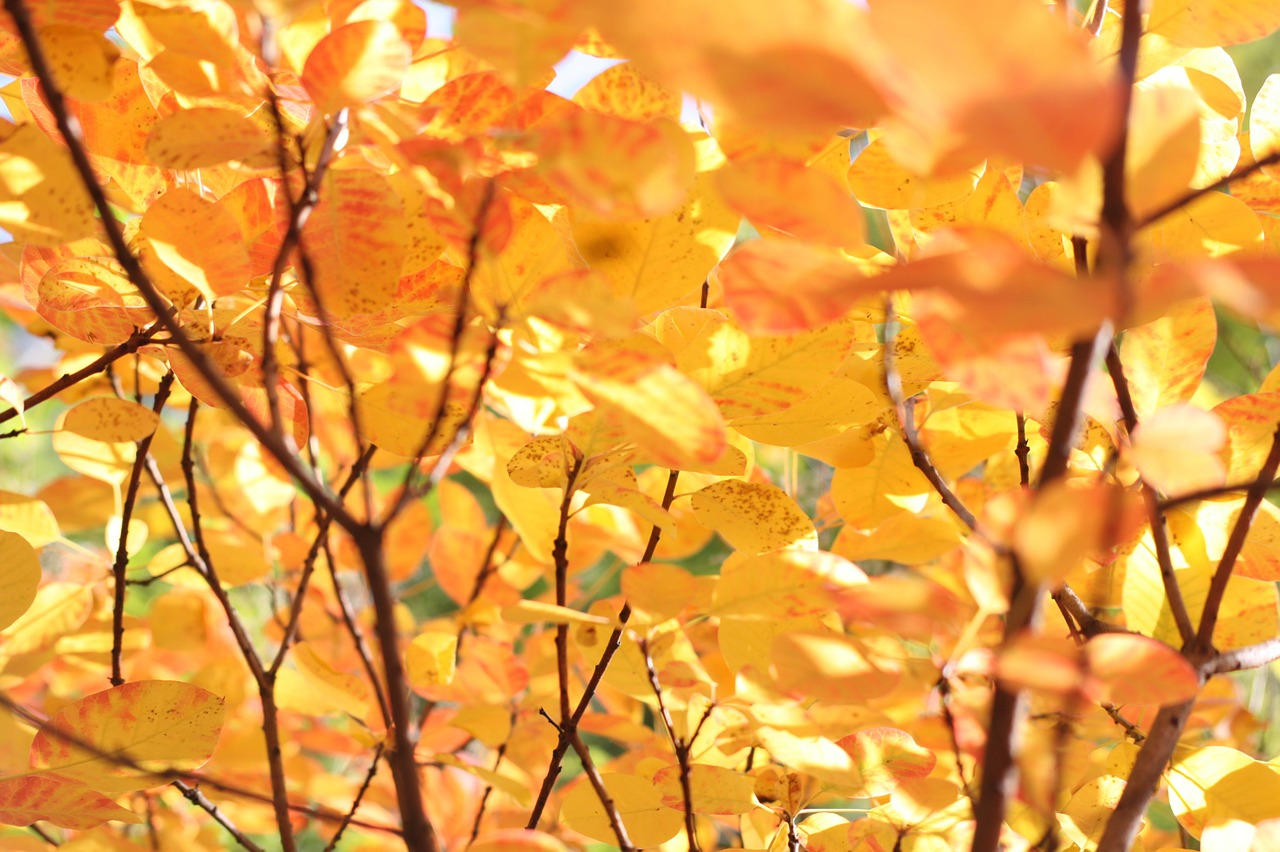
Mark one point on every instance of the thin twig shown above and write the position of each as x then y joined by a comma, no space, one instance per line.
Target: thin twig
1155,516
602,792
121,565
200,800
69,128
58,385
1193,195
355,803
679,744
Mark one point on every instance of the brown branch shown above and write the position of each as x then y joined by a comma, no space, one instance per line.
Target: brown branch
488,788
560,556
200,800
299,212
70,130
1270,159
58,385
121,565
1023,452
1216,491
905,409
420,834
323,523
1155,516
681,747
43,835
1239,659
357,636
1234,546
612,644
602,792
264,682
355,803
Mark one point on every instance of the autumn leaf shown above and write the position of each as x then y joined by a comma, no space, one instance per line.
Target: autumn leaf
156,726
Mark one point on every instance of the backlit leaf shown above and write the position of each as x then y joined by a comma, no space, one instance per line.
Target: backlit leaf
356,63
1177,449
431,659
830,667
157,725
29,517
647,821
111,420
1223,23
41,197
754,517
886,757
715,789
26,799
19,577
1165,359
784,196
199,241
205,136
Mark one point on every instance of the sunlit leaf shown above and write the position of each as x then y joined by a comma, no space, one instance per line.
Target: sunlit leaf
715,789
154,724
639,804
111,420
754,517
30,798
356,63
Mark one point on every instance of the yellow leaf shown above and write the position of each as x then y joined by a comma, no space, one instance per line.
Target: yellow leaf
1164,141
656,262
356,63
177,621
1264,123
661,590
19,577
1222,23
107,462
715,789
81,60
157,725
812,755
58,609
42,199
29,517
754,517
1062,525
889,485
665,412
1178,449
1216,783
431,659
639,804
200,137
489,724
1164,360
343,690
516,840
887,757
513,787
544,462
829,667
25,800
783,585
879,181
538,612
111,420
746,376
907,538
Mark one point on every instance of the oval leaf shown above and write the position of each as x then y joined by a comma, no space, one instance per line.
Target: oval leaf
111,420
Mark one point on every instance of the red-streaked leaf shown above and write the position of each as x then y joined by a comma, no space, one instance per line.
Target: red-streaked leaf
26,799
1138,670
200,241
157,725
886,757
785,287
92,299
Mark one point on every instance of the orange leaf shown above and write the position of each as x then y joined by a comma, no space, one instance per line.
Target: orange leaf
156,724
1218,24
627,92
206,136
355,64
1165,359
198,240
111,420
25,800
886,757
783,195
1134,669
786,287
1013,80
356,238
19,577
92,299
